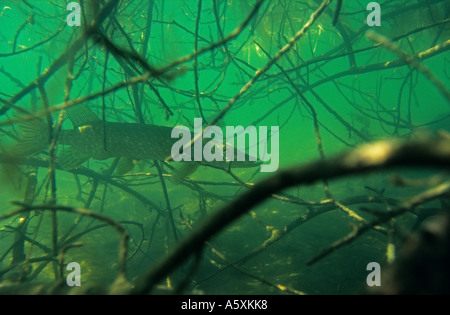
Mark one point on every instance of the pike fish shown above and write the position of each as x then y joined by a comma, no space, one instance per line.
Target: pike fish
93,138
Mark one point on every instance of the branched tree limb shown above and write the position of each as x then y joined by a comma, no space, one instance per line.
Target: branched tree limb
367,158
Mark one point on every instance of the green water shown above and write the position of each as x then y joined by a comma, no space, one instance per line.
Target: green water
354,104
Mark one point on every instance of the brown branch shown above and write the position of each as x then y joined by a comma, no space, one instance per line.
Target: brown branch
336,12
260,72
85,172
429,53
408,205
61,60
123,247
367,158
411,61
141,78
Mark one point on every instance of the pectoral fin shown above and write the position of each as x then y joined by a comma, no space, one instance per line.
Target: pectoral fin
69,158
184,171
125,165
34,137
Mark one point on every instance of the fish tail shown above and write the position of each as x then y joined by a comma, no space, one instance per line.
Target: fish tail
34,137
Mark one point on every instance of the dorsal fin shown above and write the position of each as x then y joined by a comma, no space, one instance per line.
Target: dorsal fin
81,115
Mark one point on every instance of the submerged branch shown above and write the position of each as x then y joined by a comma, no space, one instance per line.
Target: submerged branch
123,247
405,206
85,172
411,61
63,59
431,153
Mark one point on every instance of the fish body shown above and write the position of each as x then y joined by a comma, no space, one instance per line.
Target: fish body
93,138
113,139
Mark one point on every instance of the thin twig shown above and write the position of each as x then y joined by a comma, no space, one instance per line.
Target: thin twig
408,205
411,60
123,246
